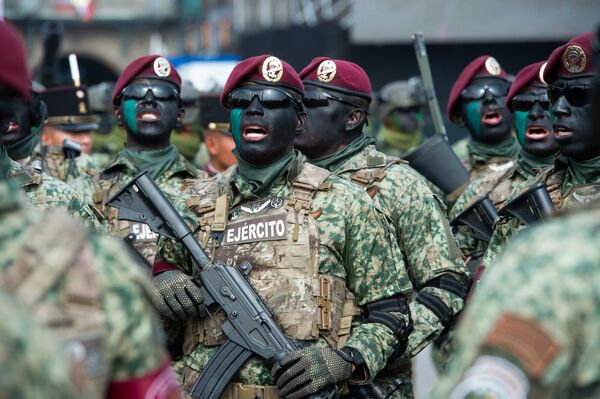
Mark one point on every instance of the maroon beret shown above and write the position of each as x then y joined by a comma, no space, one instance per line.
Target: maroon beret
264,69
339,75
572,59
483,66
13,64
531,75
149,66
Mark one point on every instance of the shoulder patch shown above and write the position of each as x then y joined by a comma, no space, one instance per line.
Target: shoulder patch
526,340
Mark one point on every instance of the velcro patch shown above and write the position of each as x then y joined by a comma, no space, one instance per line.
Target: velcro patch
526,340
262,228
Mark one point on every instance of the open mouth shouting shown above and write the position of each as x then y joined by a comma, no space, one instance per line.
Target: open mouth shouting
536,132
561,131
491,118
254,133
12,126
148,116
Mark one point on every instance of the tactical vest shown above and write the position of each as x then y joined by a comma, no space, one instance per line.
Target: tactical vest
280,239
139,234
492,165
56,254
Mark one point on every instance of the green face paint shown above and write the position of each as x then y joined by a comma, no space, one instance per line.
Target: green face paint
521,125
474,116
129,115
235,121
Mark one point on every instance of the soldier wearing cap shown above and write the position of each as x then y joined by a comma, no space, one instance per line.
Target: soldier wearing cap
147,104
400,107
40,189
327,254
216,132
574,179
337,96
477,102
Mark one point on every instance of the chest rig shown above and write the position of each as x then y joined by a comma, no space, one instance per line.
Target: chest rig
280,239
63,259
107,184
493,165
575,197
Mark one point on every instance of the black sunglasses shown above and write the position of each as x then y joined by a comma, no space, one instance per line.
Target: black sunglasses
314,98
576,95
160,92
270,98
525,102
477,92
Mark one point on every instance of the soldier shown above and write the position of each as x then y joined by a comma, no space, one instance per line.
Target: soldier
40,189
336,103
218,140
317,245
528,101
400,107
147,104
575,177
477,102
67,134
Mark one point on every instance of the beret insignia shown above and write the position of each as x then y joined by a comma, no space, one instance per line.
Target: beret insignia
162,68
492,66
272,69
573,59
326,71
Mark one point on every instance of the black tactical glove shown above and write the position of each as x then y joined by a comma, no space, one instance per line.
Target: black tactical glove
310,370
177,296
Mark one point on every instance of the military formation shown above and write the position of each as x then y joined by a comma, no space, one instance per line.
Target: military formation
323,234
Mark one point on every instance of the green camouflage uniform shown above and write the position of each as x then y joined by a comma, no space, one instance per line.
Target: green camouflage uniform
44,191
532,329
109,180
424,237
350,249
32,360
82,286
487,158
570,184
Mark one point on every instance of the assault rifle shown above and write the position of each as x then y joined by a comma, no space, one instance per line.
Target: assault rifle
249,326
480,216
531,206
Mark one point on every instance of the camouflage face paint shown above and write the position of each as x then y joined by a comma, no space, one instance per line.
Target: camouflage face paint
473,116
235,119
129,115
521,125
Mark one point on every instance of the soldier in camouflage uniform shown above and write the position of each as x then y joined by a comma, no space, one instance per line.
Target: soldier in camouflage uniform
318,247
147,105
477,102
532,329
337,98
32,360
528,100
575,178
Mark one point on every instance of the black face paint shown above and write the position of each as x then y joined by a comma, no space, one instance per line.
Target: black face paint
483,110
266,132
325,127
16,126
572,109
149,109
533,124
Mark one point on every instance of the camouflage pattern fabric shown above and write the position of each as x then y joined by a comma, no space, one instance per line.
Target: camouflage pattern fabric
44,191
354,245
133,340
531,329
423,235
31,357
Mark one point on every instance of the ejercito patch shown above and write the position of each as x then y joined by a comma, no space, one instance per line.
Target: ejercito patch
262,228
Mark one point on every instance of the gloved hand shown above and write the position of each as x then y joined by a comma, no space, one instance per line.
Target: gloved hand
177,296
310,370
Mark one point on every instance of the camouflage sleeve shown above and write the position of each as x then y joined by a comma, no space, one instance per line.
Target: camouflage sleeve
353,234
32,360
135,341
518,333
84,187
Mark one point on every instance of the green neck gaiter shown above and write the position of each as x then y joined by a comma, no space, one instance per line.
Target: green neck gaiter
528,165
584,172
23,148
261,178
335,160
509,148
399,140
4,162
156,162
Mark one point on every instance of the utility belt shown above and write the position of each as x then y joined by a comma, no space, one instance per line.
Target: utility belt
237,390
